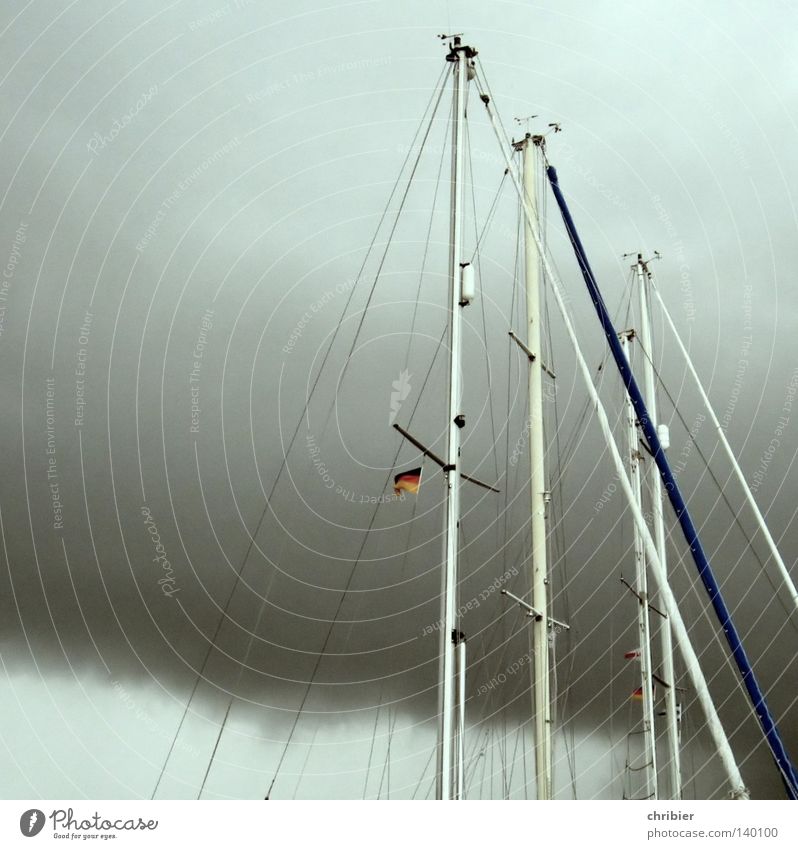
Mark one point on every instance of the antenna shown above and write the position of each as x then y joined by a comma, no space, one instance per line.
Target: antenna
639,257
524,122
532,613
554,127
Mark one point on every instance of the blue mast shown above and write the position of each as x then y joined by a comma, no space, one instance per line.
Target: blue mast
755,693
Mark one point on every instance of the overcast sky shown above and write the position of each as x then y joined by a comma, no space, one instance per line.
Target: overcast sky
189,191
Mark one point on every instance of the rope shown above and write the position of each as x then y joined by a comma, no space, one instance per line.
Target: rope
423,773
371,749
433,209
348,584
386,769
721,491
305,762
253,536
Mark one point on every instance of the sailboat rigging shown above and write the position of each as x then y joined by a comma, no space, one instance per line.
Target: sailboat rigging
649,548
683,516
639,469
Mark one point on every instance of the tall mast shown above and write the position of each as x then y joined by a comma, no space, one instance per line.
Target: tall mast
461,703
669,600
449,784
673,763
541,695
641,588
749,495
703,566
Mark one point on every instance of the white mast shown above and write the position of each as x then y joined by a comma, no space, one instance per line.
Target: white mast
641,589
461,702
541,695
673,763
777,558
449,766
738,788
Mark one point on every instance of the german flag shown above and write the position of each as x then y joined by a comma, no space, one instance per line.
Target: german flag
408,481
637,696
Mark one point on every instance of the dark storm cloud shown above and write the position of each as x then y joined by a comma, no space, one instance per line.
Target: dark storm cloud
189,192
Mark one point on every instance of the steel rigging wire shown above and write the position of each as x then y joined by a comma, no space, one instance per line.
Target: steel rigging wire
439,89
